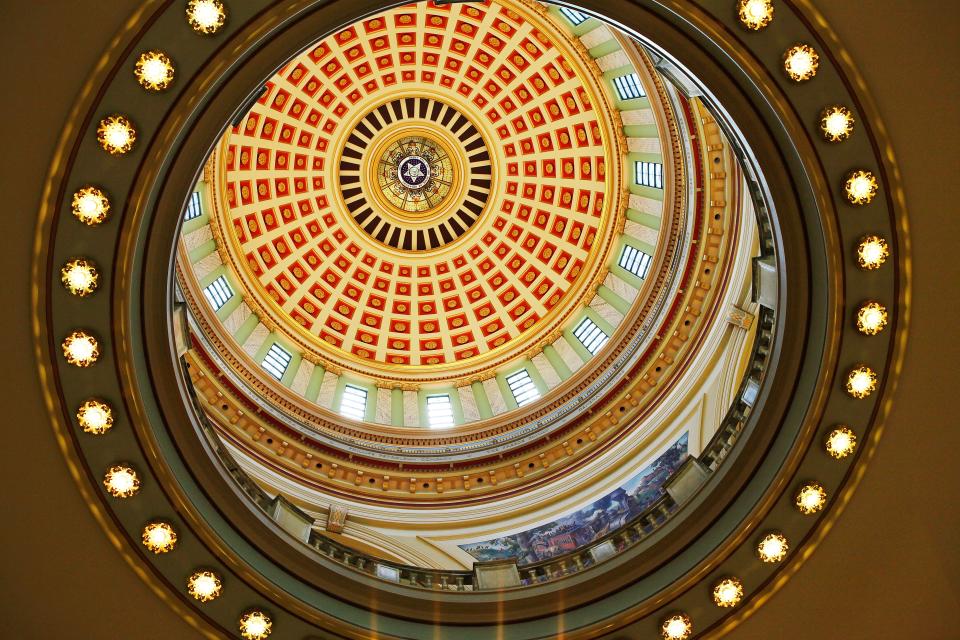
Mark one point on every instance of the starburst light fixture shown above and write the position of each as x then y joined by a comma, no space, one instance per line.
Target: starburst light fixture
677,627
121,481
159,537
81,349
772,548
755,14
836,123
255,625
728,592
840,442
206,16
861,382
90,206
116,135
80,277
872,252
95,417
811,498
154,70
871,318
204,586
861,187
801,62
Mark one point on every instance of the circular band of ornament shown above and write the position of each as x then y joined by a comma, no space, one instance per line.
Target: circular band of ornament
156,437
415,174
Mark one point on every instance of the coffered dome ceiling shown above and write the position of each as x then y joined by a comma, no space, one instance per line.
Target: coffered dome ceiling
426,205
426,194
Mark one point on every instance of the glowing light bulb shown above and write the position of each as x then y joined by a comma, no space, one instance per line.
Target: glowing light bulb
861,187
811,498
772,548
206,16
81,349
801,62
116,135
159,537
840,442
80,277
755,14
836,123
872,252
204,586
255,625
677,627
154,70
728,592
121,481
871,318
95,417
861,382
90,206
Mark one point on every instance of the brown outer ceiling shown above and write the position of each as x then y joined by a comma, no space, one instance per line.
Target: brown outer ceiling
889,550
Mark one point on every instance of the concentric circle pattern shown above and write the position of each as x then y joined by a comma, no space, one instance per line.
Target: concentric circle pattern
177,465
498,245
415,174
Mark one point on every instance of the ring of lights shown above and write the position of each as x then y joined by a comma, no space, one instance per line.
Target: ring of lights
151,448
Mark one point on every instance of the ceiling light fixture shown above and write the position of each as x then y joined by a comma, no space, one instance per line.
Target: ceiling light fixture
801,62
204,586
728,592
255,625
159,537
154,70
811,498
871,318
121,481
80,277
861,187
755,14
677,627
836,123
840,442
206,16
81,349
95,417
872,252
861,382
116,135
772,548
90,206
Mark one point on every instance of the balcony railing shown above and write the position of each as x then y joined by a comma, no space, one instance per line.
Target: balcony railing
615,542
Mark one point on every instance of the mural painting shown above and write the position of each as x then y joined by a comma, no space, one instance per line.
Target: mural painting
590,523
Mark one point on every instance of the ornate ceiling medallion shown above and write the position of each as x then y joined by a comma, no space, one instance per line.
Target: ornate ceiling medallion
415,174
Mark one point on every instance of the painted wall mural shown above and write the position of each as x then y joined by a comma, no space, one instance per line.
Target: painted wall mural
594,521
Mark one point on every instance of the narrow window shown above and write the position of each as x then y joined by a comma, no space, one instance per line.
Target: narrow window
590,335
575,17
218,292
193,207
650,174
354,402
629,87
276,361
522,387
635,261
439,411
